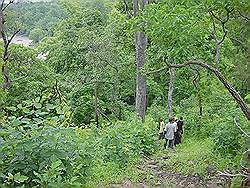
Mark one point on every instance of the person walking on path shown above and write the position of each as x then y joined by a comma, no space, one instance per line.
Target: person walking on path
176,134
161,129
179,131
170,129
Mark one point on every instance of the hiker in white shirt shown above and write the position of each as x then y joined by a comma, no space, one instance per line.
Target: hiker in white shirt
170,129
161,129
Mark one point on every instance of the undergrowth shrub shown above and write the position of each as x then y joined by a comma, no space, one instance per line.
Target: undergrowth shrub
117,149
227,139
197,157
44,156
126,140
157,112
56,156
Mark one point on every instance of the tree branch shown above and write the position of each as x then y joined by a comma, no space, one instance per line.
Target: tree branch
1,8
236,123
158,70
243,16
233,175
10,2
214,35
135,7
13,35
196,76
4,36
217,18
126,7
104,115
244,107
22,77
240,42
223,24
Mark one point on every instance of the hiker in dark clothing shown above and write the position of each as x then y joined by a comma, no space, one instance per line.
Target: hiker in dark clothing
179,132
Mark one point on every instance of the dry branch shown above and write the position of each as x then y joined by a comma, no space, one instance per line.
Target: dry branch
236,123
244,107
227,174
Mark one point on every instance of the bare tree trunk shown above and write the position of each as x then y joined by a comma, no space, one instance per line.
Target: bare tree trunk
140,46
6,41
170,91
135,7
126,8
5,56
141,86
196,83
244,107
198,93
217,55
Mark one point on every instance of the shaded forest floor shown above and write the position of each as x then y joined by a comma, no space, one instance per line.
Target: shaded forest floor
161,177
156,176
194,169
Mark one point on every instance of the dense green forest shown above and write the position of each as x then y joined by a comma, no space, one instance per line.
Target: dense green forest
81,106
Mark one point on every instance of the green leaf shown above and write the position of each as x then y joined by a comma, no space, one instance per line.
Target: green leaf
12,108
59,111
41,113
26,110
25,120
248,96
20,178
37,99
50,106
28,102
38,120
16,122
10,177
56,164
37,105
19,106
3,133
55,118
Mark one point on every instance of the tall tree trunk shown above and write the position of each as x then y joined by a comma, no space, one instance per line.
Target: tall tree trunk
6,40
140,46
5,56
6,76
244,107
196,83
170,91
217,55
135,7
141,86
198,94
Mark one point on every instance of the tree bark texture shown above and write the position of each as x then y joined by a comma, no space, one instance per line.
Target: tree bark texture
140,47
5,70
217,55
170,91
244,107
141,85
196,83
135,7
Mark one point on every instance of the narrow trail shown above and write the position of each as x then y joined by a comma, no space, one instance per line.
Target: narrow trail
157,175
165,178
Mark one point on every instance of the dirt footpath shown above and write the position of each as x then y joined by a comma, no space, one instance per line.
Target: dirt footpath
156,175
